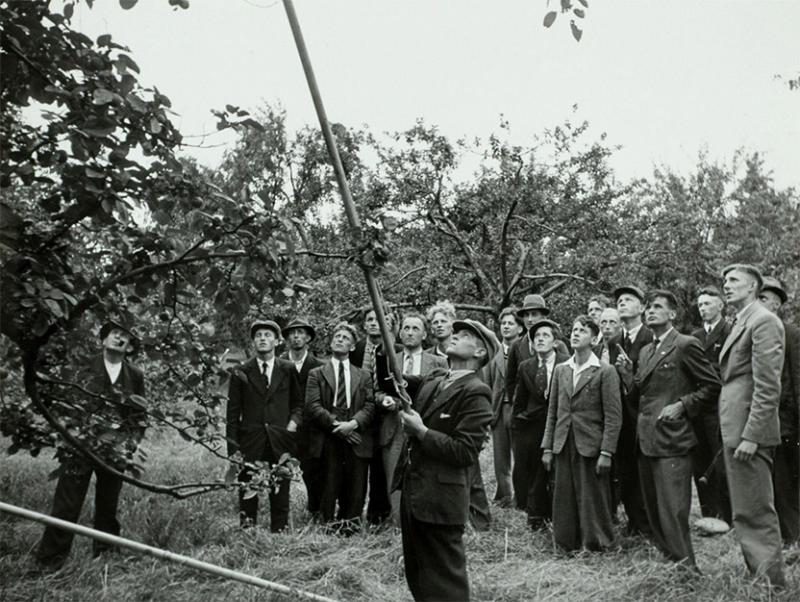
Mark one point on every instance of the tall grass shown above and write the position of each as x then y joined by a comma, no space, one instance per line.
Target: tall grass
507,563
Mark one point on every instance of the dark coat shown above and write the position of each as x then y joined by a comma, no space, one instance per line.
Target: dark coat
630,399
713,341
434,473
789,410
679,371
320,394
129,382
256,415
530,403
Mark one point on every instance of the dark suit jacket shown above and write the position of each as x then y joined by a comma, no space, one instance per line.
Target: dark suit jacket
357,355
530,403
130,382
630,399
518,353
789,411
751,362
678,371
434,473
256,415
712,342
592,410
320,394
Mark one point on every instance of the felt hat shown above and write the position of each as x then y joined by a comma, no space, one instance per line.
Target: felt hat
774,285
631,289
482,332
533,302
299,323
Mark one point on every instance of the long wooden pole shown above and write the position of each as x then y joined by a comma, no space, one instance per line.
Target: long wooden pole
344,190
161,554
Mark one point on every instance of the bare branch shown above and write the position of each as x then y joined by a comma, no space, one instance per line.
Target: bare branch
504,244
403,277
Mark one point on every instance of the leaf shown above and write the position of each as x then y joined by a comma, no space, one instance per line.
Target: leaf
104,40
69,9
127,4
550,18
585,3
579,13
577,32
126,62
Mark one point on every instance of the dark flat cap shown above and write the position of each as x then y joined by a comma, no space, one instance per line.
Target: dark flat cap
539,323
484,334
110,325
299,323
631,289
774,285
533,302
268,324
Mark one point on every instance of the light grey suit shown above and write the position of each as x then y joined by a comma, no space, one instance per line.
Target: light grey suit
751,361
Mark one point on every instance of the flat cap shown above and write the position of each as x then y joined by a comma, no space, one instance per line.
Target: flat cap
268,324
545,322
484,334
110,325
631,289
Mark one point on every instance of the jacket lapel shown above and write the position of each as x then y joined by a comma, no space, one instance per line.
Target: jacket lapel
653,359
442,396
355,381
566,381
255,377
277,376
736,331
584,379
327,372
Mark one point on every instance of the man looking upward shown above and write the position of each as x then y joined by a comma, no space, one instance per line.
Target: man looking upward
751,361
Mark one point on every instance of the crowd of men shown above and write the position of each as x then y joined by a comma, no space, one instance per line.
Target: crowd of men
621,409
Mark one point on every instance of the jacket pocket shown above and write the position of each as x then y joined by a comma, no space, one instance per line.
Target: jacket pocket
452,478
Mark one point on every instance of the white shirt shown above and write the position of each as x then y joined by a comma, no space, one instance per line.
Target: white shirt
270,365
416,362
659,340
631,334
550,365
298,364
113,370
576,369
346,364
710,327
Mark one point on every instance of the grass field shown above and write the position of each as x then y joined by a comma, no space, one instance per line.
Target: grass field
507,563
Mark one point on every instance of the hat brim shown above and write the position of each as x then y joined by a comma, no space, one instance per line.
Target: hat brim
110,325
639,294
491,346
778,291
261,326
305,327
522,310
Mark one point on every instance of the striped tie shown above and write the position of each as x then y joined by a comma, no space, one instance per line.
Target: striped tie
341,389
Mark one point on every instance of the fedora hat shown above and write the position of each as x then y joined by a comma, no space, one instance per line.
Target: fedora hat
299,323
774,285
533,302
110,325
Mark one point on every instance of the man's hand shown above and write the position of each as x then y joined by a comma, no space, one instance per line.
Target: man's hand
343,429
745,451
603,464
292,426
389,404
412,424
547,460
672,412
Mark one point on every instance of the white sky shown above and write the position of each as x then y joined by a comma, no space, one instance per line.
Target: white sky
664,79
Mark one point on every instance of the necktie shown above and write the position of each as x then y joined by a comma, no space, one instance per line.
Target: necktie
264,373
541,377
341,389
654,350
408,368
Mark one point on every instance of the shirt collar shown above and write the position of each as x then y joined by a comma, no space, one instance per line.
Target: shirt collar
659,340
591,362
710,327
414,354
631,334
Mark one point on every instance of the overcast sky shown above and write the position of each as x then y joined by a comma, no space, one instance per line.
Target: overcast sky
664,79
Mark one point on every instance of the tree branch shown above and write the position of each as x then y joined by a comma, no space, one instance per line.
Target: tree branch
403,277
504,245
